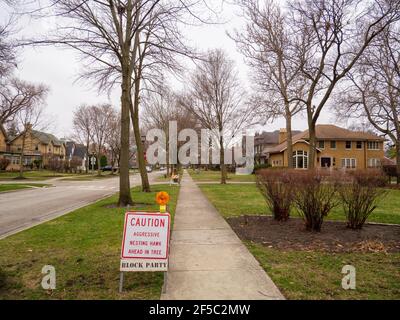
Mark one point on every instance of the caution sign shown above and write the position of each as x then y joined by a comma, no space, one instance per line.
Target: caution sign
145,242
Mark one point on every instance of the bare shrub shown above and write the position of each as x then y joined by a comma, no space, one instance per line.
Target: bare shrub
75,163
314,196
4,162
276,187
359,195
55,164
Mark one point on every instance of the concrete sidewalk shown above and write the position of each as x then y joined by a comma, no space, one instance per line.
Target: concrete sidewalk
207,259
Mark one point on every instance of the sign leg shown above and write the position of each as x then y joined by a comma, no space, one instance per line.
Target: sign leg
164,287
121,281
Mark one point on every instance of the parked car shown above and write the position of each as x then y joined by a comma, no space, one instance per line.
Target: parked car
108,168
149,169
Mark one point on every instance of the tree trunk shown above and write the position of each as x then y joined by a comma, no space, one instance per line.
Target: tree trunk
21,158
167,151
311,155
222,161
289,140
125,198
139,145
98,163
398,160
87,156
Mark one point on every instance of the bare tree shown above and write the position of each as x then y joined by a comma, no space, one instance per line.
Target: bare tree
330,37
28,119
17,95
216,99
374,89
21,103
113,140
161,106
103,117
83,129
159,110
267,44
108,35
7,45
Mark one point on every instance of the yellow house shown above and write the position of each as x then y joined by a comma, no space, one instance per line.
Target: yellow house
3,139
38,147
336,148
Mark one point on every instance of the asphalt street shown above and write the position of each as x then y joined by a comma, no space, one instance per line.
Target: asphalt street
23,209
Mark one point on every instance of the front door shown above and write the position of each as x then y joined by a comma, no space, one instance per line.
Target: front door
326,162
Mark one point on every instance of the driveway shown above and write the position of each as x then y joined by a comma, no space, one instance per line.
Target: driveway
23,209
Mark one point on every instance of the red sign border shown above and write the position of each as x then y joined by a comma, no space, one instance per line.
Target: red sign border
146,213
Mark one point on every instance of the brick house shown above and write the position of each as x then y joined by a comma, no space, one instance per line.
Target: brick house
265,140
336,148
39,148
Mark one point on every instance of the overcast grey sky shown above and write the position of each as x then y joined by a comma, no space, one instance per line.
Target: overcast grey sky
59,68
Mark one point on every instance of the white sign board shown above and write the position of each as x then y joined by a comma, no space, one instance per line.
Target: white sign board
145,241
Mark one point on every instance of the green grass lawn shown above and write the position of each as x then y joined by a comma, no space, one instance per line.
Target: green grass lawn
316,274
163,179
90,177
240,199
84,247
19,186
204,176
35,175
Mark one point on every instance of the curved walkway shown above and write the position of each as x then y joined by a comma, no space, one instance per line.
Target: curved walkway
207,259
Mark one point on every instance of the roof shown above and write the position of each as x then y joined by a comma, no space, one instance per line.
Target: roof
78,150
327,132
46,138
332,132
269,137
388,162
43,137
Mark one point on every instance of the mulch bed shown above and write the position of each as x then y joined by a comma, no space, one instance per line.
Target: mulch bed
334,237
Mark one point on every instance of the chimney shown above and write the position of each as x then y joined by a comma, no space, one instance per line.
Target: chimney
282,135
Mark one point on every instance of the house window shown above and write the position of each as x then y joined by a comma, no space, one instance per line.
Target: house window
333,144
374,163
348,144
349,163
300,159
373,145
37,147
321,144
27,161
359,144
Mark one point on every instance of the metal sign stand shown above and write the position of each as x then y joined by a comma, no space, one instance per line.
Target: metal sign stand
164,287
121,281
